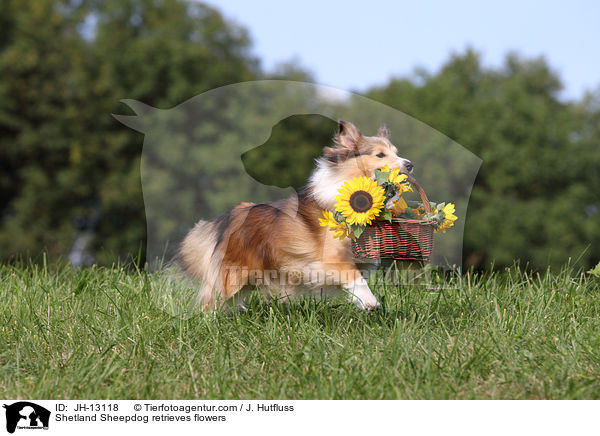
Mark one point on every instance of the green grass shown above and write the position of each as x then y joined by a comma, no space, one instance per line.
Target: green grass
103,333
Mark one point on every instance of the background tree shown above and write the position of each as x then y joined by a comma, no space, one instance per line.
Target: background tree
68,169
64,66
44,93
533,198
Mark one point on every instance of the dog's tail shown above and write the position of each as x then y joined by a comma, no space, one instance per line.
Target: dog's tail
197,255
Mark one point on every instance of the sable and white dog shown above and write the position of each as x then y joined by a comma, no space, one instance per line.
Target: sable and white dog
280,246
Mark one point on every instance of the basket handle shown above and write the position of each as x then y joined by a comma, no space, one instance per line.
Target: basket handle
424,198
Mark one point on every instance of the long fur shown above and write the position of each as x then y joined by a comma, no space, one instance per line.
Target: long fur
280,246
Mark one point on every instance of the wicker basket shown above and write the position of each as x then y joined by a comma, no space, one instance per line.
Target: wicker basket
400,239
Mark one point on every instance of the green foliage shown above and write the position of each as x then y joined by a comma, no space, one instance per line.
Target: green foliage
357,230
385,215
102,333
300,136
64,67
536,196
595,271
381,176
67,167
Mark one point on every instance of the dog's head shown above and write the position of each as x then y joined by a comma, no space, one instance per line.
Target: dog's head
355,155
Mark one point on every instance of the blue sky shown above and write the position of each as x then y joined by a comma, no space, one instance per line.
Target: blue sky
357,44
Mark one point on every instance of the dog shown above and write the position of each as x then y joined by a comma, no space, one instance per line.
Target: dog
280,246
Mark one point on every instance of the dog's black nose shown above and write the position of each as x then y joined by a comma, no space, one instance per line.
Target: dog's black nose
409,166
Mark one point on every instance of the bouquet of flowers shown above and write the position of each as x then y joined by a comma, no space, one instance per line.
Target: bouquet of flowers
362,200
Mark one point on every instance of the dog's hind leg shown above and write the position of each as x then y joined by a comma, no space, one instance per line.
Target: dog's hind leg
239,301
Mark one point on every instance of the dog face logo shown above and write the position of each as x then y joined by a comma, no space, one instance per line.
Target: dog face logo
210,161
26,415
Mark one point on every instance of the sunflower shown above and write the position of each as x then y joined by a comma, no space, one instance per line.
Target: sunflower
360,200
418,211
449,217
397,178
340,230
400,206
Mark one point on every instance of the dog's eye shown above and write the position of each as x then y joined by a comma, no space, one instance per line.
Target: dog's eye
380,155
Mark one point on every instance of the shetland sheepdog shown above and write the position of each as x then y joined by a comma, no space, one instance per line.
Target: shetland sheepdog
280,246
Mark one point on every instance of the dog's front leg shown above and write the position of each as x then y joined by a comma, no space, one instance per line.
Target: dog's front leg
360,294
340,264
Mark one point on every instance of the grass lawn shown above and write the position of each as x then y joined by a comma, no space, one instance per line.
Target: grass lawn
104,333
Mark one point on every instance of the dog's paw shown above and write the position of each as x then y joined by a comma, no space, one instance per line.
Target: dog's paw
368,305
361,295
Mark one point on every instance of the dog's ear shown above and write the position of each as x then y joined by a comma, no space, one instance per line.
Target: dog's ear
383,131
348,135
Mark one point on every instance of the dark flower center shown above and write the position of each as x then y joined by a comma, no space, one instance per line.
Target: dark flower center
361,201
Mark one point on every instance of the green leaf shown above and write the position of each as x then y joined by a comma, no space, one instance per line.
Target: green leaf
357,230
385,215
595,271
381,177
